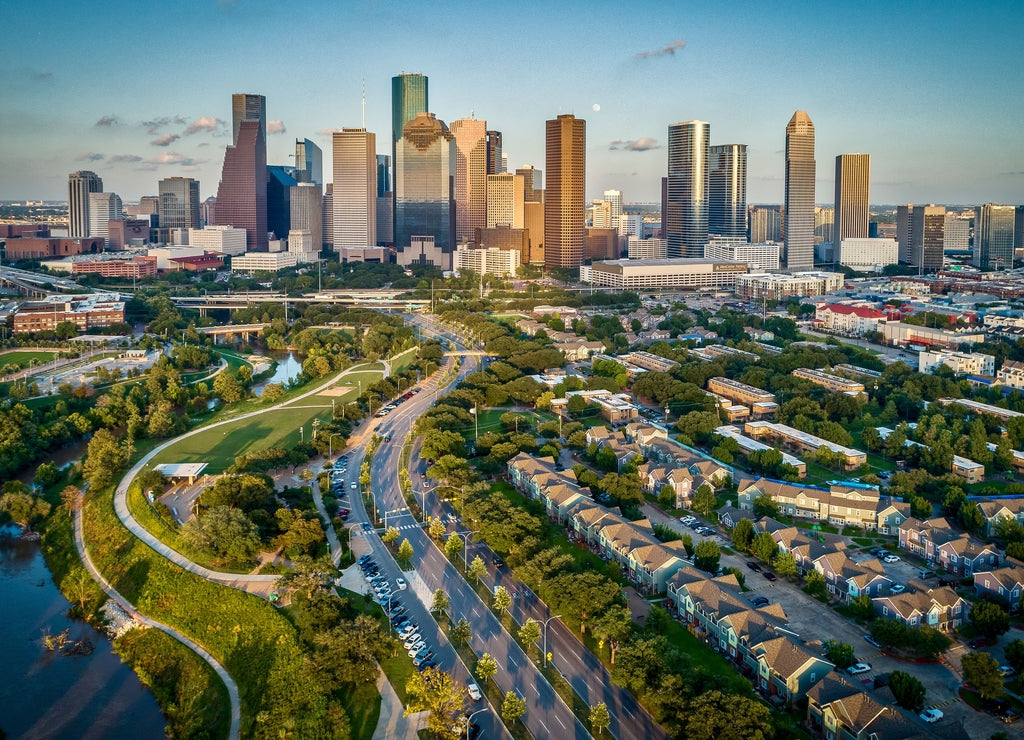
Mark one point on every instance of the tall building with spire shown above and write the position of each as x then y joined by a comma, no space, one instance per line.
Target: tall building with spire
727,190
800,183
853,179
425,183
242,192
564,197
471,171
80,184
688,181
355,188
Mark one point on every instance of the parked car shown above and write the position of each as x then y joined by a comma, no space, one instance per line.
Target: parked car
759,602
400,582
425,665
872,641
859,668
977,642
898,588
931,716
754,566
770,576
1006,671
891,558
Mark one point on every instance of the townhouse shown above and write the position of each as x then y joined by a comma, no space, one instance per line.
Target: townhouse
837,710
846,579
1006,583
942,546
843,504
993,511
941,608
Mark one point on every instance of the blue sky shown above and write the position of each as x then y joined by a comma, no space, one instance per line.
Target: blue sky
138,91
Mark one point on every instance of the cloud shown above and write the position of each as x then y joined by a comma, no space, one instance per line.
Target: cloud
89,157
642,144
327,131
165,140
154,125
108,121
130,158
44,75
669,50
275,127
173,158
203,123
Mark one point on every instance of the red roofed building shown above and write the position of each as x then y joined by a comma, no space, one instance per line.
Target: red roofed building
198,263
846,319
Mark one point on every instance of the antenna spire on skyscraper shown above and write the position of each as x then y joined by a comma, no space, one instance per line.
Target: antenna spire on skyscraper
364,102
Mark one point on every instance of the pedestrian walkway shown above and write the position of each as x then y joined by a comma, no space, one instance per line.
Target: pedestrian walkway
393,724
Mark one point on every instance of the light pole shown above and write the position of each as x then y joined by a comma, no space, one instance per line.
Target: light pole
393,511
556,616
330,444
469,722
464,536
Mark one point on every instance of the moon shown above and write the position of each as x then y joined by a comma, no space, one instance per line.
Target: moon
597,107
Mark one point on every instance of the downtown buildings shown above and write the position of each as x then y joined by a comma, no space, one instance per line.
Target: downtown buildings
564,197
800,174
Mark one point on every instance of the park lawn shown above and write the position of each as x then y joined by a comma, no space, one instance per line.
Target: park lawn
703,656
219,446
22,358
351,381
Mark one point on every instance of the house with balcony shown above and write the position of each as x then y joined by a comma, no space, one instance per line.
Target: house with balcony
1006,583
941,608
922,538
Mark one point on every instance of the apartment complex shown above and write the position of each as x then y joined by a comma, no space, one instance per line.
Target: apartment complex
848,319
86,313
834,383
778,287
804,442
680,274
961,363
739,392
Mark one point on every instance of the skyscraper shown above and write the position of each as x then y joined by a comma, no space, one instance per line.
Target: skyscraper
495,157
532,182
306,203
248,107
800,173
242,193
929,232
80,184
688,151
309,162
564,205
727,190
425,183
853,178
766,224
279,196
506,200
408,99
614,199
104,208
179,203
385,202
993,237
471,137
355,188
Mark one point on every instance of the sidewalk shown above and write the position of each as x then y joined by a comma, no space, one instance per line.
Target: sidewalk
392,725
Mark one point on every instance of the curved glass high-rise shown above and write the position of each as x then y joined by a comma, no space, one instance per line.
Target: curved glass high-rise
727,200
425,183
800,171
408,100
688,186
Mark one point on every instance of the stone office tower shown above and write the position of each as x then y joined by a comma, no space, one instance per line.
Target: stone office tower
800,174
80,184
564,197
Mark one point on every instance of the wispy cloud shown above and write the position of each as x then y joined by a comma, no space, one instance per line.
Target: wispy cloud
327,131
275,127
642,144
44,75
1011,174
89,157
129,158
108,122
165,140
203,123
154,125
173,158
669,50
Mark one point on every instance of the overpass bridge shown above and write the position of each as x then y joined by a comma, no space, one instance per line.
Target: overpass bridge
234,301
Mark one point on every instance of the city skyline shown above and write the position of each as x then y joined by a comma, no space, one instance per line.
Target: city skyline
900,98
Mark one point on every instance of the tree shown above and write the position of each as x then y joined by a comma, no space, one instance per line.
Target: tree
71,498
862,607
1015,655
486,667
390,535
688,544
502,599
311,575
909,692
981,671
613,627
512,707
764,547
436,692
785,564
23,508
440,603
600,719
814,584
743,534
704,501
227,386
706,555
765,505
462,632
529,633
105,456
840,653
405,551
717,716
667,497
348,652
990,619
477,568
226,532
80,587
436,528
453,546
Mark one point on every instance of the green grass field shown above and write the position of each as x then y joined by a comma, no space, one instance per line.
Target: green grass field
22,358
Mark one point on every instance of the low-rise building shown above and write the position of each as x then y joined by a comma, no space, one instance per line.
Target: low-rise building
940,608
839,711
748,445
777,286
804,442
85,312
1006,583
649,361
842,504
1011,374
848,319
961,363
834,383
263,262
1011,509
224,239
985,409
739,392
487,260
902,335
614,407
652,274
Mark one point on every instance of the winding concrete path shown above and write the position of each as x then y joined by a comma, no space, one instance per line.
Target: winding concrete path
129,608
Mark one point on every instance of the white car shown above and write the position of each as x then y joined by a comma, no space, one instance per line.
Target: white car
931,715
416,647
890,558
474,692
411,640
400,582
859,668
354,485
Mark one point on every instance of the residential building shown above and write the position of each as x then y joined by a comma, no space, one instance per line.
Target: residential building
564,204
471,178
853,178
224,239
354,164
841,504
759,257
652,274
961,363
748,445
940,608
647,249
649,361
1006,583
800,183
1011,509
242,192
839,711
775,287
834,383
847,319
804,442
964,556
424,184
1011,374
263,262
739,392
868,255
179,203
80,185
985,409
727,191
486,260
614,407
994,238
686,228
846,579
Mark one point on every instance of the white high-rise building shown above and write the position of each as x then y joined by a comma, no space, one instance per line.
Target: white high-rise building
224,239
505,200
957,236
104,208
614,199
759,257
80,185
646,249
868,255
355,188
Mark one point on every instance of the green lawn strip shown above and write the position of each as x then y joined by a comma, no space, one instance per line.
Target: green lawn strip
362,705
22,358
257,645
178,678
704,657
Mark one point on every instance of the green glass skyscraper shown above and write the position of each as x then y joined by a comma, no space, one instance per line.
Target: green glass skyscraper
408,100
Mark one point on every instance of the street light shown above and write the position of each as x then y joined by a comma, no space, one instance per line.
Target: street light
393,511
469,722
464,536
330,444
556,616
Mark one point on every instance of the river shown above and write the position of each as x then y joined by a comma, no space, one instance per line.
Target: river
288,367
44,694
